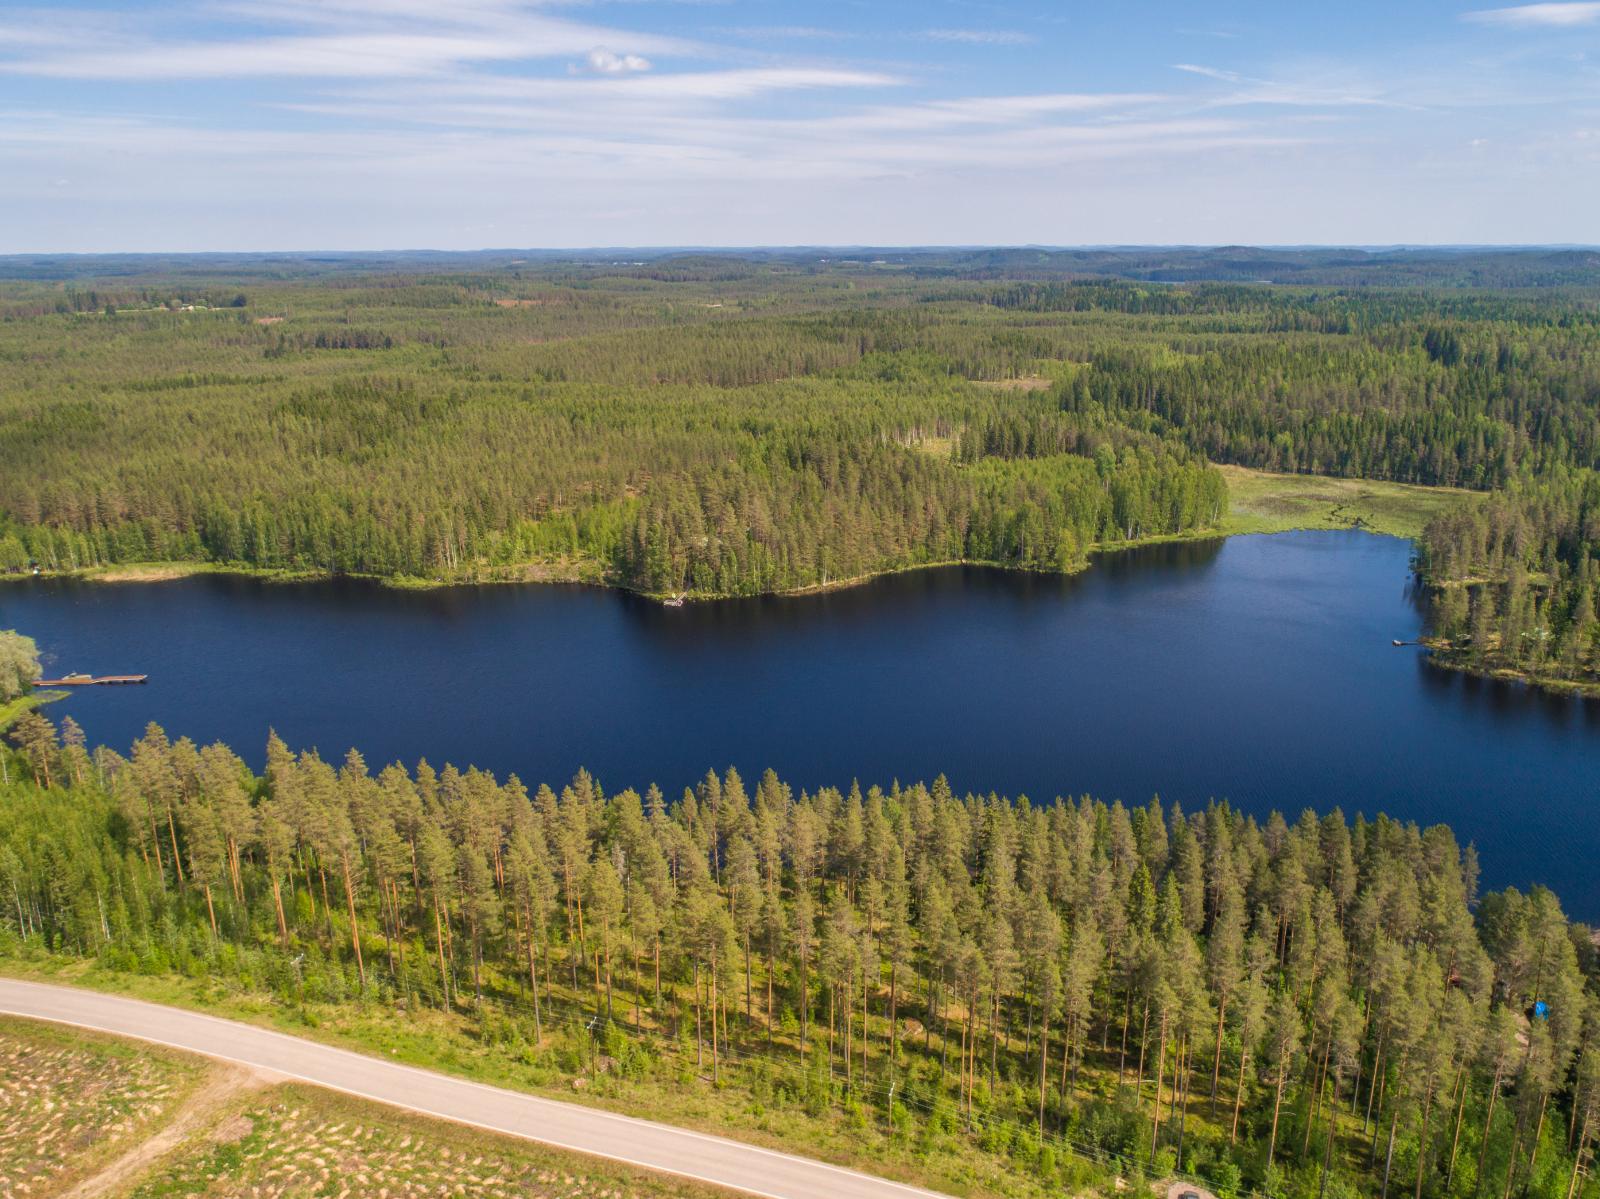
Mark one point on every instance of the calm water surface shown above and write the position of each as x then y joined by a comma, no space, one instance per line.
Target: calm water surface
1258,669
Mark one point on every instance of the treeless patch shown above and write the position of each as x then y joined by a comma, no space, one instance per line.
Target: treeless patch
233,1130
223,1083
1024,383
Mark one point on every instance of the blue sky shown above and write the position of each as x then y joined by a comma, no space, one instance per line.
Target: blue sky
457,124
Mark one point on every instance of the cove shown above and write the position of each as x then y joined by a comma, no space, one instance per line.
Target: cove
1257,669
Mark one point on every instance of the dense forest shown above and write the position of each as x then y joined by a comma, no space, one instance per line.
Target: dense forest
709,424
1319,1007
1515,581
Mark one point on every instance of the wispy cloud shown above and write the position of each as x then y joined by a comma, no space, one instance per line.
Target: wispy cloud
979,37
603,62
1324,90
783,32
1547,16
344,39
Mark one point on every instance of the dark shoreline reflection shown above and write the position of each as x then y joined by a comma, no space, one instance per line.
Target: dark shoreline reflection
1258,669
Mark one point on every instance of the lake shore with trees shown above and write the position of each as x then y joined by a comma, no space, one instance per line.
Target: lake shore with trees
954,987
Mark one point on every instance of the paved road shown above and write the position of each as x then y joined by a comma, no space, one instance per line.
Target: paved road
564,1125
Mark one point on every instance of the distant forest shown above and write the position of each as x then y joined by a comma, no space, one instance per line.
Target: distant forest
714,424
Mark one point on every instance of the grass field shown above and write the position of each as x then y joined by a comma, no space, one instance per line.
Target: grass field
1259,502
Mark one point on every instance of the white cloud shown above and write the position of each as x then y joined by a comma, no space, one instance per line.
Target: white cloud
622,88
603,62
1550,16
355,39
806,32
988,110
1209,72
979,37
1326,90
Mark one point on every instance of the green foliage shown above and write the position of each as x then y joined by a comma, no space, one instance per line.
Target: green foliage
19,664
1111,969
1514,580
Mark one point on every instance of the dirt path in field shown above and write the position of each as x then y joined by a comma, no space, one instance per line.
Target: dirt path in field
220,1085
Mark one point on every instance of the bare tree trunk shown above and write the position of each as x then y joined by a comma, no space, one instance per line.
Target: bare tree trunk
177,858
355,932
1161,1073
1238,1097
1388,1158
1327,1153
1488,1123
894,1019
1216,1056
533,985
1455,1140
1277,1105
1422,1137
1577,1157
277,903
1044,1058
438,930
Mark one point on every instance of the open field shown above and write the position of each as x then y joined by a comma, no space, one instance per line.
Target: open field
296,1140
1263,502
72,1101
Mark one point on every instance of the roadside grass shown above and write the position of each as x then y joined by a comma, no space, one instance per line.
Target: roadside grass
1262,502
295,1140
72,1100
762,1100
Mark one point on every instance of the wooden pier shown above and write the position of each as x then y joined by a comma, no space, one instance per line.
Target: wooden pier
89,680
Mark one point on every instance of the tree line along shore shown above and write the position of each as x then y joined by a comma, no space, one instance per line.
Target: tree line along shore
1059,989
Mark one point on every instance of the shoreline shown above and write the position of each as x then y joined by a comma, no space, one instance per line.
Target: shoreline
592,575
1440,656
1259,503
12,711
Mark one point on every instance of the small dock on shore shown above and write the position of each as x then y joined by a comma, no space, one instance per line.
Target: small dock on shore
90,680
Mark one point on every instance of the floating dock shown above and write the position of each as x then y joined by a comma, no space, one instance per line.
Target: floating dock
89,680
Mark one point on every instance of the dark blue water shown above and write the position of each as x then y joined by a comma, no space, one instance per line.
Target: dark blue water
1258,669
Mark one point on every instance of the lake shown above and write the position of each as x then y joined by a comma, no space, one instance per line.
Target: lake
1257,669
